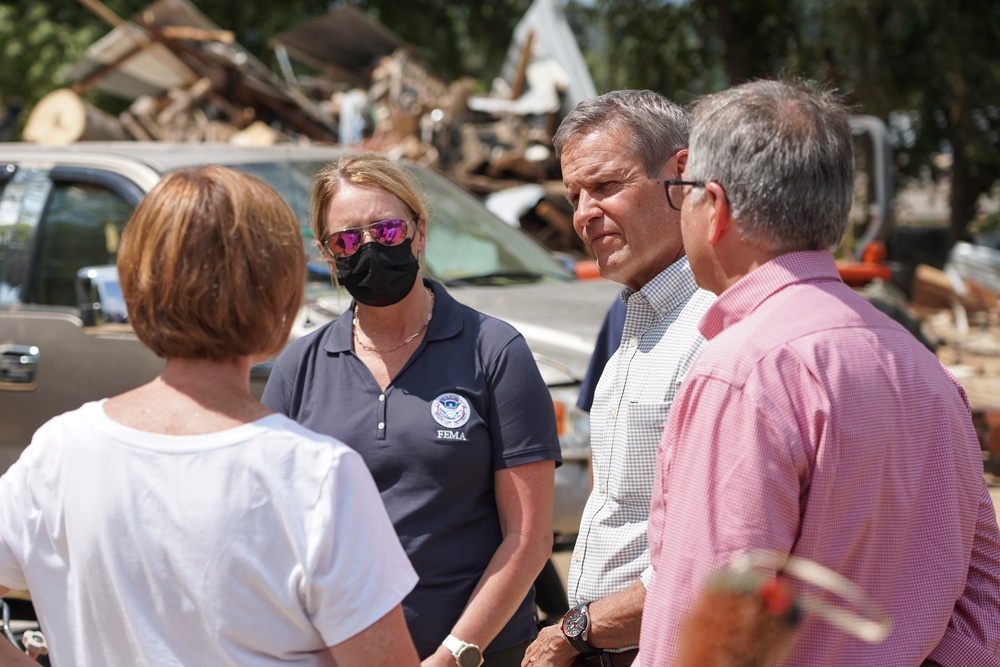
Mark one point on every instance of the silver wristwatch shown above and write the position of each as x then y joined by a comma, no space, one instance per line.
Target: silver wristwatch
466,654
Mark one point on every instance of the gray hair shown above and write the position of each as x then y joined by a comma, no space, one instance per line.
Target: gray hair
784,154
657,127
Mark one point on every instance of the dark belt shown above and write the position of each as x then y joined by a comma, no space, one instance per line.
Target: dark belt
607,659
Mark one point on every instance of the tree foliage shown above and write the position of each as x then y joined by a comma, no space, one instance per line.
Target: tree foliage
456,38
931,64
36,49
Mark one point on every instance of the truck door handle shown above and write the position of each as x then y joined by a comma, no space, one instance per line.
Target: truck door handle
18,367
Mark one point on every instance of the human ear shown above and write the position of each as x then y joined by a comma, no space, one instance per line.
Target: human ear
682,158
719,220
420,235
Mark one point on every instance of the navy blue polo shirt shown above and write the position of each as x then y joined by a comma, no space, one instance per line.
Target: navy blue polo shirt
469,401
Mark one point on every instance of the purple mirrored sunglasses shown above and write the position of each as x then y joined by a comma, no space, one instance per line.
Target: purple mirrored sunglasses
385,232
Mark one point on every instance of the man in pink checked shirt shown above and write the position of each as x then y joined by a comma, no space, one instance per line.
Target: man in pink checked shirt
812,425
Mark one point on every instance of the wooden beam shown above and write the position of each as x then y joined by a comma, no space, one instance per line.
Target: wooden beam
517,87
103,12
197,34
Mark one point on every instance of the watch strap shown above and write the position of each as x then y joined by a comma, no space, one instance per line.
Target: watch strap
453,643
457,647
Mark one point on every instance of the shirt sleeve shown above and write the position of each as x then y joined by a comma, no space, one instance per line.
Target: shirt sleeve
277,391
973,634
358,569
13,514
734,479
522,417
18,513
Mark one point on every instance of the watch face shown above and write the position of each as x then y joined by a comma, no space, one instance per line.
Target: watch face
574,623
469,657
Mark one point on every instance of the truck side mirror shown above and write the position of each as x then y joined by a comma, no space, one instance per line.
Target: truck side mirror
99,296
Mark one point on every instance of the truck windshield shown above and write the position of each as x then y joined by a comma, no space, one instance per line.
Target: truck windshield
466,242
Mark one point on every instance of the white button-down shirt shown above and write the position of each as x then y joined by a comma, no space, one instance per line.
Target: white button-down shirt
659,343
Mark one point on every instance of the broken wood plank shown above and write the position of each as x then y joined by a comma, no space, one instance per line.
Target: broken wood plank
193,34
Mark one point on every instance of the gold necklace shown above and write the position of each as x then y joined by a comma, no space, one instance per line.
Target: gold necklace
383,350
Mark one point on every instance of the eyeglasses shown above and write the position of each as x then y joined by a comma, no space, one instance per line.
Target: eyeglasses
678,191
347,241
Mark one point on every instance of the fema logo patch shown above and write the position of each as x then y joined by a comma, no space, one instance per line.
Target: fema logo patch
451,410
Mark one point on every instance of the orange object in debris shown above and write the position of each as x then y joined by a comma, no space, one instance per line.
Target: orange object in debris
859,274
586,269
560,409
874,253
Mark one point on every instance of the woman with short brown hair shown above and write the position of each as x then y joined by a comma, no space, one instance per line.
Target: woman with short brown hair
182,522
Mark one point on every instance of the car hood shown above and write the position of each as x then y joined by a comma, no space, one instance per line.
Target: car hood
559,321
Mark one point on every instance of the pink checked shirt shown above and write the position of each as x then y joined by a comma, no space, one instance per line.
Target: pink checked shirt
814,425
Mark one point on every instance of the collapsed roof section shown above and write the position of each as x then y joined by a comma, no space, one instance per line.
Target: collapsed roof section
170,49
342,44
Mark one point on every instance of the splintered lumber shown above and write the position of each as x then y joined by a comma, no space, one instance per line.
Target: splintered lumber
182,100
63,117
518,86
102,11
198,34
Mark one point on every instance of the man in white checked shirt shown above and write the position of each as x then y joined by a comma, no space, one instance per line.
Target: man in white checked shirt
616,151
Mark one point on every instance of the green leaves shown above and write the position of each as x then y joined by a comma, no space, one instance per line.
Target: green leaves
36,51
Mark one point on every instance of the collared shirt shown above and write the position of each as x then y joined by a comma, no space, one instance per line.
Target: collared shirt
814,425
469,402
609,337
659,342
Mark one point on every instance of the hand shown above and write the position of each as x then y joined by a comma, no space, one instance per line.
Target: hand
550,649
442,657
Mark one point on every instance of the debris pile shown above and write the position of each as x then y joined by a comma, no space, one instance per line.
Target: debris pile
185,79
958,309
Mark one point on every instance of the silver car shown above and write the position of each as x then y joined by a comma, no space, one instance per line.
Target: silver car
64,334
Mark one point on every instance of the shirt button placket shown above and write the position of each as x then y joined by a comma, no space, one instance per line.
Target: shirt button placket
380,432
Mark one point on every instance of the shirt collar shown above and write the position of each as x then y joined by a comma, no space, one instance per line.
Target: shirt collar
746,294
445,323
663,294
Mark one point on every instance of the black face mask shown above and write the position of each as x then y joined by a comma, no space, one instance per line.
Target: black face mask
378,275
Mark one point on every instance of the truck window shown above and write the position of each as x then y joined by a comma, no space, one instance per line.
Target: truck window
19,196
81,226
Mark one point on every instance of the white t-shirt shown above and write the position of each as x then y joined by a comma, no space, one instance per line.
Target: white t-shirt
258,545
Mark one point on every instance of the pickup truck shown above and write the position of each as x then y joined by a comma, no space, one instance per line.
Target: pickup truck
64,334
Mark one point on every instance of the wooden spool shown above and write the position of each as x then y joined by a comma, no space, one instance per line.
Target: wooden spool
63,117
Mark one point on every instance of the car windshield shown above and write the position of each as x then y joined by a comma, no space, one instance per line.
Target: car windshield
466,243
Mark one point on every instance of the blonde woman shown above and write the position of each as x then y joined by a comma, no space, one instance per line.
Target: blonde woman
448,409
